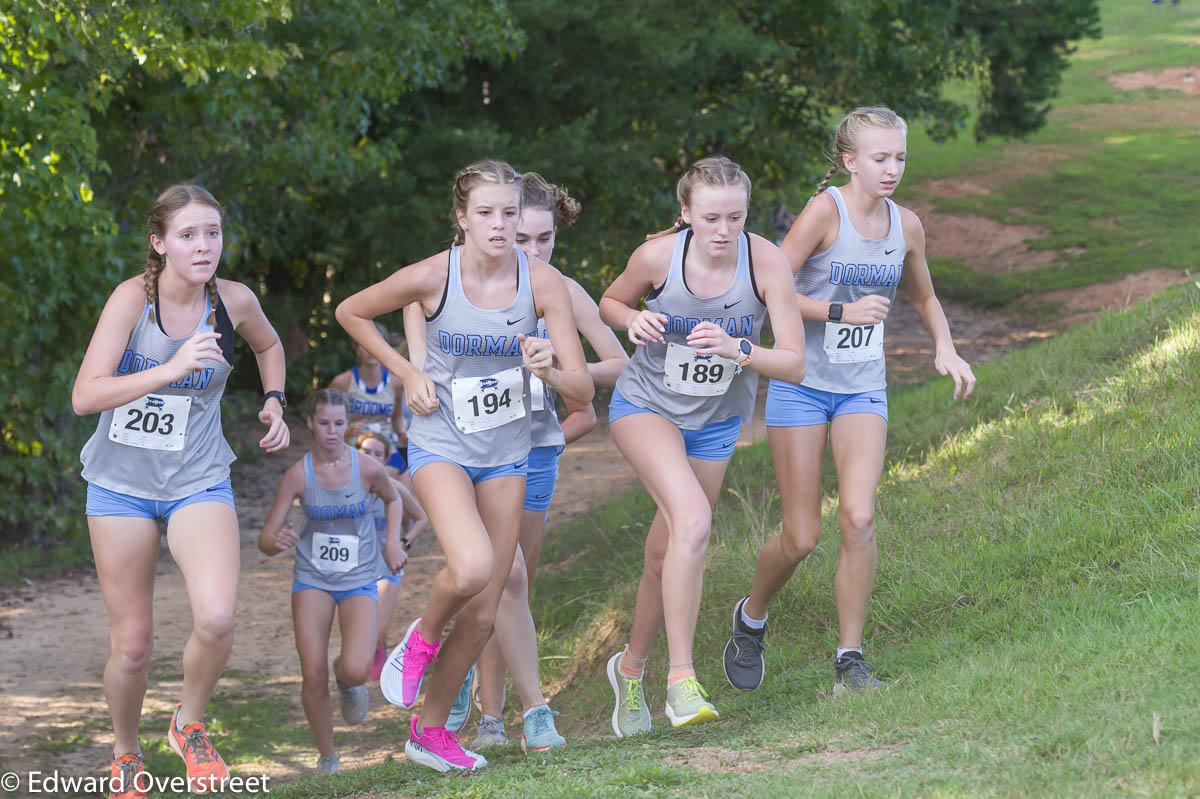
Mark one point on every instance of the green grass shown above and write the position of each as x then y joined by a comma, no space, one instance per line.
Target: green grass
1035,608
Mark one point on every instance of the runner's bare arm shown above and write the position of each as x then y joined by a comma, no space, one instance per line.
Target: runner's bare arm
252,325
412,511
275,537
647,269
603,340
376,479
920,289
554,306
421,283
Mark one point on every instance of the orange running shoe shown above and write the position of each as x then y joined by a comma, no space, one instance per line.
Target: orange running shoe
206,770
126,777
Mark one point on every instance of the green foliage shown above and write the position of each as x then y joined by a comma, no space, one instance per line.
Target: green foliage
330,132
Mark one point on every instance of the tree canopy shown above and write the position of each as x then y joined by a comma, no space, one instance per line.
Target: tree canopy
331,131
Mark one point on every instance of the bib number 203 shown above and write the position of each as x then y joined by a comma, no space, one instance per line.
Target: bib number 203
155,421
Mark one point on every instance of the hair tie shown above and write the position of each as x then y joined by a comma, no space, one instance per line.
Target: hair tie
676,225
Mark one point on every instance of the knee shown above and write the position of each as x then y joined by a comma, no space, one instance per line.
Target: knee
215,627
131,650
315,677
354,672
799,538
518,582
691,533
477,621
858,528
470,576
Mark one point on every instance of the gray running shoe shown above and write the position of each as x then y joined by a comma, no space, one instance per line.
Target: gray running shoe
490,733
687,703
327,764
853,673
460,711
630,714
743,660
355,701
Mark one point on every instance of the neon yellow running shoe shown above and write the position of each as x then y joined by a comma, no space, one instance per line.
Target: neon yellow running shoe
687,703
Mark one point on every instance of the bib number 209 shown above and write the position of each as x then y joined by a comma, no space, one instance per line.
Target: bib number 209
334,553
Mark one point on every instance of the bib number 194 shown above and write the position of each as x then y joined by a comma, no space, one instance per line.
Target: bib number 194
481,403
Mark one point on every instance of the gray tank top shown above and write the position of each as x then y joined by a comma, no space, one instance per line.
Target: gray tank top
168,444
374,405
339,548
546,429
739,310
474,359
852,268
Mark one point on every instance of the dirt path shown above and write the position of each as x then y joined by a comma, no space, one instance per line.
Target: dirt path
54,634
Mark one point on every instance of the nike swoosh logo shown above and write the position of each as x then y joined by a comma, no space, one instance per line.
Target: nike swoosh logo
889,252
540,496
514,321
730,305
349,495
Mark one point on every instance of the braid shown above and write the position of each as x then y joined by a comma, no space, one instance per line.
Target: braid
213,299
824,184
672,229
715,170
489,171
154,267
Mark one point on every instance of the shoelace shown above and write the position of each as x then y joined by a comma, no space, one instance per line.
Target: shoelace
442,738
859,669
197,742
490,725
424,650
541,720
690,689
129,771
633,693
749,647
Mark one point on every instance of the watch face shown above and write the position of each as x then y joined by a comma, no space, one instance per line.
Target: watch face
746,347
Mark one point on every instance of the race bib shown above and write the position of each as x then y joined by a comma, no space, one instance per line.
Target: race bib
334,553
155,421
853,343
537,392
481,403
688,372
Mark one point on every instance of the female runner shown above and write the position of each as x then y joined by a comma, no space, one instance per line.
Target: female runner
155,371
338,557
470,435
849,249
545,209
678,407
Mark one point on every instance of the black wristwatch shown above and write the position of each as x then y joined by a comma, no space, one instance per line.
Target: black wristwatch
277,395
406,542
835,312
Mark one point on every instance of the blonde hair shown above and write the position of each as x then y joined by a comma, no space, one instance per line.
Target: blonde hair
326,396
382,439
164,209
479,173
716,170
844,140
537,194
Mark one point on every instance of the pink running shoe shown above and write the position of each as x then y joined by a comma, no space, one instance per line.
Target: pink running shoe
439,749
405,669
380,659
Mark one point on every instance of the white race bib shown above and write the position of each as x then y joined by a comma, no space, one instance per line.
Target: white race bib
334,553
155,421
853,343
686,371
537,392
481,403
